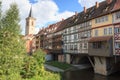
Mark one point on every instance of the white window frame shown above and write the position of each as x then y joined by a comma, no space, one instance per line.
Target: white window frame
117,45
117,30
101,19
96,32
105,31
117,15
110,30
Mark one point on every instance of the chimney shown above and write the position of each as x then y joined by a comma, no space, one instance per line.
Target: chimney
76,13
40,29
85,10
108,1
97,5
62,19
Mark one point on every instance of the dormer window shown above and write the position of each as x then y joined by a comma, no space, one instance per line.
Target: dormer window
118,15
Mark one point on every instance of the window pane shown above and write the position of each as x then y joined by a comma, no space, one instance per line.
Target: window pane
118,15
110,30
105,31
96,32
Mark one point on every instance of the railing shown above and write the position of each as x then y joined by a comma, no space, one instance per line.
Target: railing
76,51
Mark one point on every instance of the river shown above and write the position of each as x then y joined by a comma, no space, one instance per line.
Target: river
88,74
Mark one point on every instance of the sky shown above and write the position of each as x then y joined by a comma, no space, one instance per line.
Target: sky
47,12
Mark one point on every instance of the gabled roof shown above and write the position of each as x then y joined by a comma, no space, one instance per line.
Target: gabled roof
116,6
93,12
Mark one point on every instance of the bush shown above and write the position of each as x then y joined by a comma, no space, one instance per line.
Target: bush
33,68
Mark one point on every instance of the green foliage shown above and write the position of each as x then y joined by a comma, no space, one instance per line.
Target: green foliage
11,19
33,68
29,68
39,55
11,46
14,63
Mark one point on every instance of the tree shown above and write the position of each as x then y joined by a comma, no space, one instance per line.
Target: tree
15,64
11,46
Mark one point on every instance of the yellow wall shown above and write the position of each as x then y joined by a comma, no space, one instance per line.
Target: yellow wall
101,30
103,23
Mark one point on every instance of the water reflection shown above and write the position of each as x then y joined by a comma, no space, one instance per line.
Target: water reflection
87,74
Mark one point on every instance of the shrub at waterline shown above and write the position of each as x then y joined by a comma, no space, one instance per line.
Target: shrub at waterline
34,68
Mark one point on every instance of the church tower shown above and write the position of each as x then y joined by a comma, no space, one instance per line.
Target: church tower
30,23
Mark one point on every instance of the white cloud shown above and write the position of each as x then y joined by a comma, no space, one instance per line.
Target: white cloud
44,11
88,3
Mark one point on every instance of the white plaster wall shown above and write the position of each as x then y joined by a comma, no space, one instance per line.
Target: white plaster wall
114,18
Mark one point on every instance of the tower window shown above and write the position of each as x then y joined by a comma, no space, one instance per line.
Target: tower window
32,23
27,23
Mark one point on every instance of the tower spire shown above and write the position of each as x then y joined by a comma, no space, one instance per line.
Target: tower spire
30,23
30,13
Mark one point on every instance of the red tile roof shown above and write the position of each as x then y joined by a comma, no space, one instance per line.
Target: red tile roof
102,38
117,5
91,13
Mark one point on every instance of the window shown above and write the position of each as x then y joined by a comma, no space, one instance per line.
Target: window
117,45
65,38
85,34
81,46
110,30
88,34
68,47
90,23
65,47
65,31
69,30
27,23
85,45
75,47
96,32
32,23
118,15
79,36
105,18
74,29
71,47
105,31
75,36
117,30
72,37
101,19
97,45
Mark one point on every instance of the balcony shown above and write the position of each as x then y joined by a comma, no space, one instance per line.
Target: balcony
55,51
101,46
